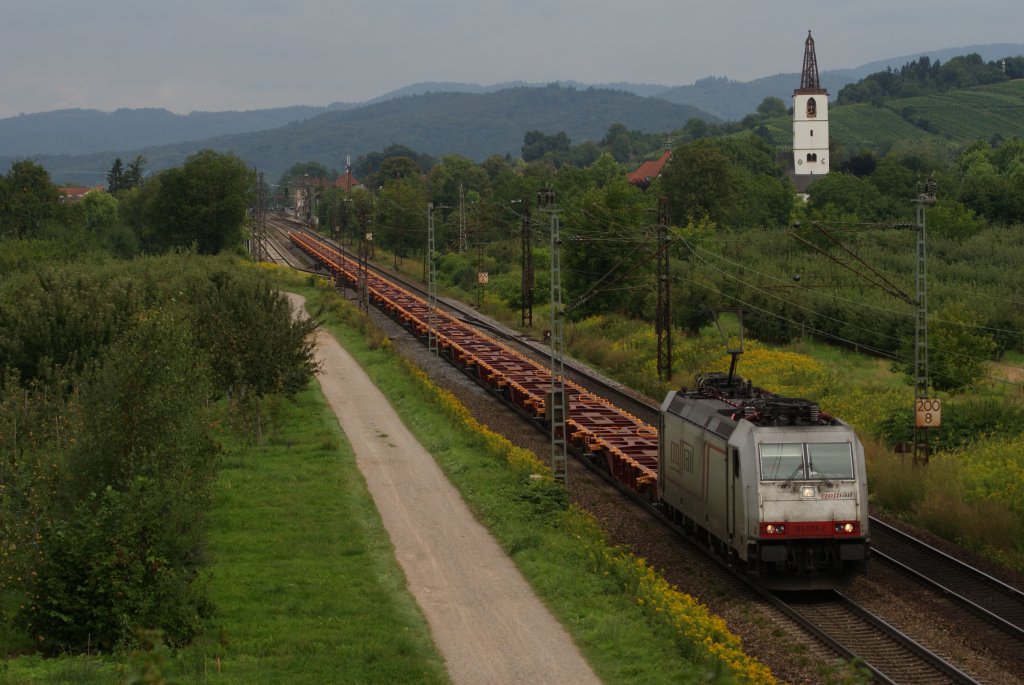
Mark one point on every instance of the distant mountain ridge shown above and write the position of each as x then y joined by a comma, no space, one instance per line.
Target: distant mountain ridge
434,117
83,131
472,125
422,88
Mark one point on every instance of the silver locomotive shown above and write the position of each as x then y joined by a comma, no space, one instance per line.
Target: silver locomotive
773,484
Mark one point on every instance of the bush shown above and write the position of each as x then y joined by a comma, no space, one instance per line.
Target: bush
110,566
963,422
119,548
973,496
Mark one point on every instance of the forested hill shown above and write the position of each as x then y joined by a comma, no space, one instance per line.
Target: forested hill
81,131
733,100
474,126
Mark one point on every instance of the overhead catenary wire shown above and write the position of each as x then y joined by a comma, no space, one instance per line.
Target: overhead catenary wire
866,305
627,234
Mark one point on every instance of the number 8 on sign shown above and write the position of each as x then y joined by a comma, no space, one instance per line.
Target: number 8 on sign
928,413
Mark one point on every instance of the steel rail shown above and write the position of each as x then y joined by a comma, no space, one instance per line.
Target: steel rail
980,593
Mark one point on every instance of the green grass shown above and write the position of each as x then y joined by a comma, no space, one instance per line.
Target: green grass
304,583
854,368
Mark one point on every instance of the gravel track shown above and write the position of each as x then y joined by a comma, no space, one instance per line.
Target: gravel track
486,621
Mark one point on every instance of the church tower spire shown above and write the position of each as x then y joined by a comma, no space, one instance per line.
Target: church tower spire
810,118
809,74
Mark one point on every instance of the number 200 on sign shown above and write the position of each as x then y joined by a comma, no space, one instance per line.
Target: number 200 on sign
928,413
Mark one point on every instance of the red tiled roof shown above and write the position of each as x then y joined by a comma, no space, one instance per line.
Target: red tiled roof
75,193
346,182
649,170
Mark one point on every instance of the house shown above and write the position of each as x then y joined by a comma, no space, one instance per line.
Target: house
72,194
648,171
346,182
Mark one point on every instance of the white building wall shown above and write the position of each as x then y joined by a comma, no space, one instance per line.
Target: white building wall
810,134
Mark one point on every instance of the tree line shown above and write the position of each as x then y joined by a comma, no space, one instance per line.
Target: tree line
203,203
924,77
116,367
718,188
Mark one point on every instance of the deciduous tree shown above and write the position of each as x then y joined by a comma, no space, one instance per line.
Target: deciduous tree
699,182
202,202
28,200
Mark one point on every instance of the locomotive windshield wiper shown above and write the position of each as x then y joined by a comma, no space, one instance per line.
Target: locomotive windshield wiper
798,469
814,470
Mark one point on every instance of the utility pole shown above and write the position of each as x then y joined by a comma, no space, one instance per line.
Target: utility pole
259,227
927,412
307,191
343,208
663,313
481,277
362,212
526,295
556,404
462,218
431,283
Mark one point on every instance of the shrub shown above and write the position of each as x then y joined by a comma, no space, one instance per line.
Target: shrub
964,422
119,547
784,373
112,565
895,483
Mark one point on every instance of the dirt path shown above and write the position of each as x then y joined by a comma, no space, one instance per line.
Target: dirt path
486,621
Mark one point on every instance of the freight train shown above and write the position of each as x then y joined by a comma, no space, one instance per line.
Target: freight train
773,484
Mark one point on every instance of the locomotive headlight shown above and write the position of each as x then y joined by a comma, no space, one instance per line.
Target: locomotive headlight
807,491
774,528
844,528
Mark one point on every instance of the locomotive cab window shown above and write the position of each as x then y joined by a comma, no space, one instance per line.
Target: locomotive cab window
782,460
816,460
832,460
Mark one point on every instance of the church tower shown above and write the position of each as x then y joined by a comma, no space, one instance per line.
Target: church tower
810,118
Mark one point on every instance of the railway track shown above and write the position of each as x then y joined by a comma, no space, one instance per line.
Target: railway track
849,630
622,444
590,379
891,655
979,593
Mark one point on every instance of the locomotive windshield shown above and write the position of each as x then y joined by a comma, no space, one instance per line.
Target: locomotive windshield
780,460
831,459
788,460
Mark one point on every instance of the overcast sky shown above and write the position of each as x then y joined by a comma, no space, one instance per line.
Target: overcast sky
186,55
